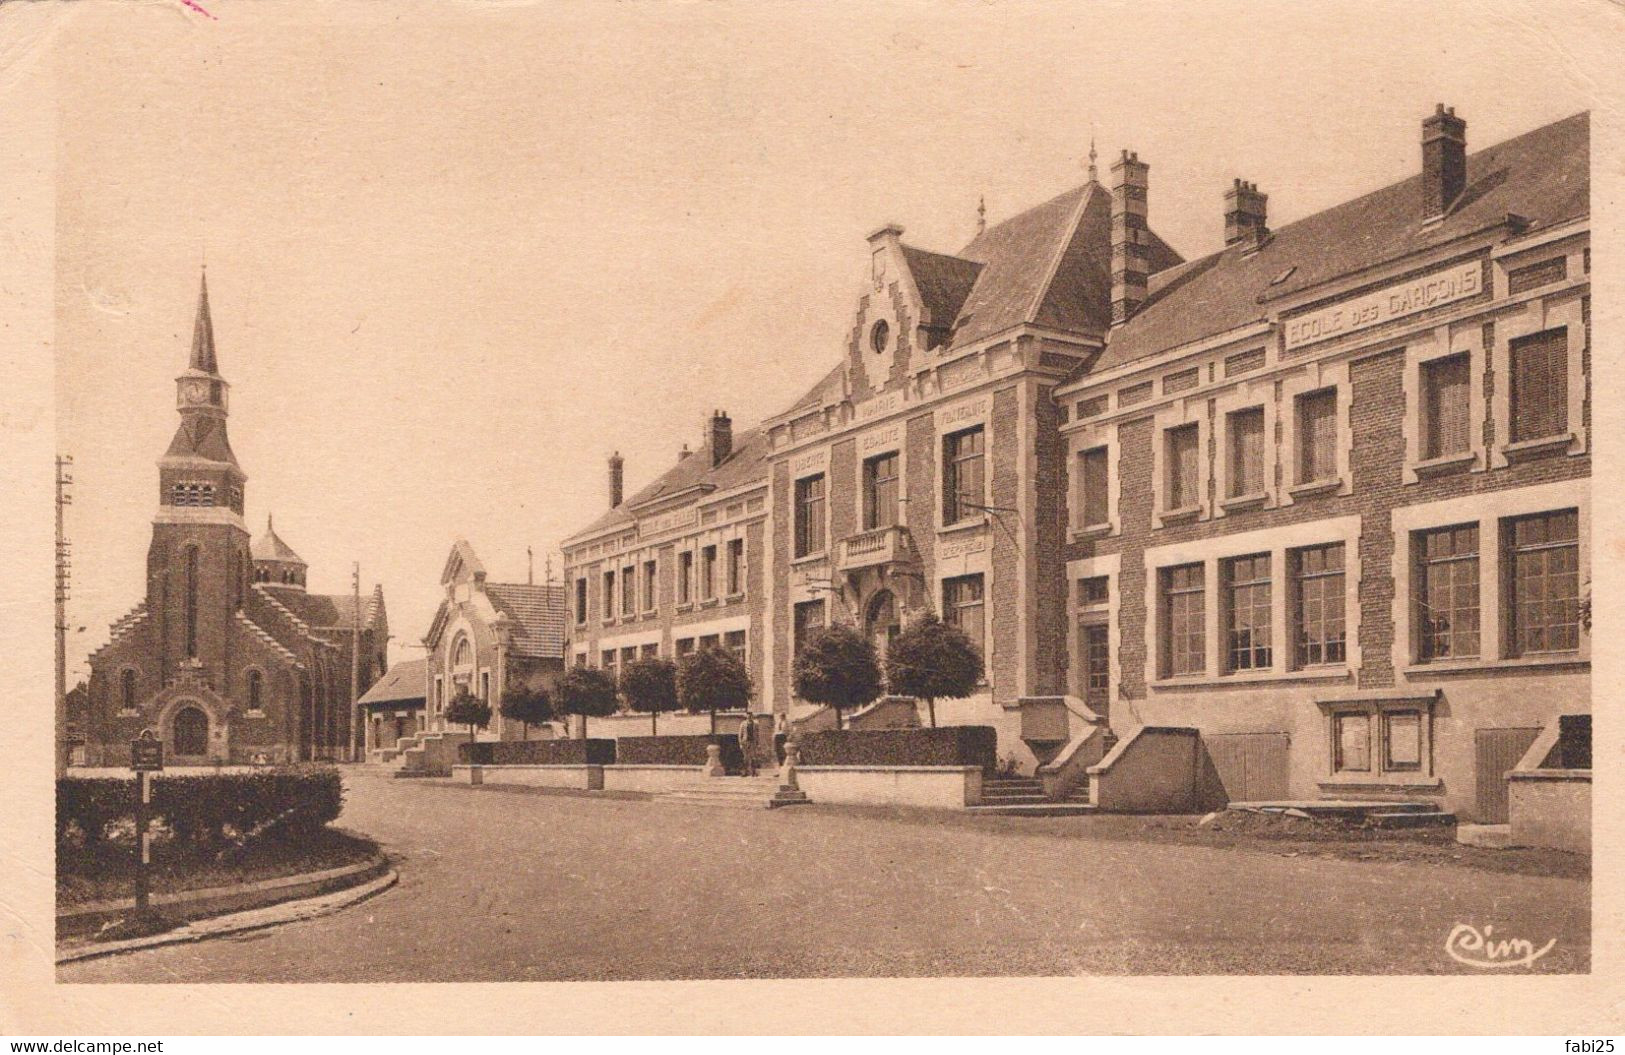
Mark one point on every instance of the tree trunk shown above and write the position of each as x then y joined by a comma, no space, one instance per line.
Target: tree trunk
654,723
931,706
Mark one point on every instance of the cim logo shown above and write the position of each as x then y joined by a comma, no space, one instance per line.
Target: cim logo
1467,944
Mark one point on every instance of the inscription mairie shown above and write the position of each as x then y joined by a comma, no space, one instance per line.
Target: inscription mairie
1374,309
885,403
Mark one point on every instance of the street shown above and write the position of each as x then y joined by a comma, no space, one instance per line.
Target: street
503,886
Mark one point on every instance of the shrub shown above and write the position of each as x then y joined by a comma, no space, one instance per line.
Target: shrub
586,691
467,709
713,680
650,686
527,706
931,659
954,745
837,666
677,751
538,753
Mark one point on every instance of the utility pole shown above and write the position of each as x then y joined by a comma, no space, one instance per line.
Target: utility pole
64,478
357,733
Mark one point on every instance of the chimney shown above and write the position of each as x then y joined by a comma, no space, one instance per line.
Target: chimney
1131,264
1245,214
1444,161
617,478
684,453
722,438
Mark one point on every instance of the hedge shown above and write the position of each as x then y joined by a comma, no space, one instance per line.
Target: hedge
950,745
205,809
537,753
678,750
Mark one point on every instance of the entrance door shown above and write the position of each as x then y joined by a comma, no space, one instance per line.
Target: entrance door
1495,752
191,732
882,623
1097,666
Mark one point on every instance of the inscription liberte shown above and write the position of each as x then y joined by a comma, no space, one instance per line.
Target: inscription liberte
1374,309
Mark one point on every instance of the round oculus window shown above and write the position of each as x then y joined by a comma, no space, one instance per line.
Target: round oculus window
879,336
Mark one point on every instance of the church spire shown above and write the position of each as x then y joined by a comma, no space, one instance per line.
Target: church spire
203,331
1093,173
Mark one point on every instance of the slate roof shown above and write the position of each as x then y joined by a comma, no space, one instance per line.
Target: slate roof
537,612
402,683
745,465
270,546
1542,175
203,436
324,611
943,281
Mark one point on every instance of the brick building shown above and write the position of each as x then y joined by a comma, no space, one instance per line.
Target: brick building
229,657
1329,486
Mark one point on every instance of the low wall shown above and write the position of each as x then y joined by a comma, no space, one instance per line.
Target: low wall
960,745
1550,807
937,787
649,779
1155,769
537,753
581,777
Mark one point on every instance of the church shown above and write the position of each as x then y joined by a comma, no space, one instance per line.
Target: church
229,658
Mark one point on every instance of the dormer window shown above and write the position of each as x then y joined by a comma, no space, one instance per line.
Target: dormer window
880,336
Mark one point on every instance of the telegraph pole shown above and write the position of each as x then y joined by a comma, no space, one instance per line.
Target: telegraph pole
64,478
357,733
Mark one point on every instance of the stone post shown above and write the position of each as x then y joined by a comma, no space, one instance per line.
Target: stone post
713,761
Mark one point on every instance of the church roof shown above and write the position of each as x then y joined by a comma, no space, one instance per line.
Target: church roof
537,612
270,546
330,611
203,332
402,683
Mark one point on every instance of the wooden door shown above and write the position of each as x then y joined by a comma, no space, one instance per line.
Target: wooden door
1252,766
1495,752
1097,672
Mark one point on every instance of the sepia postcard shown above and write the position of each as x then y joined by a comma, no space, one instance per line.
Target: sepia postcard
903,516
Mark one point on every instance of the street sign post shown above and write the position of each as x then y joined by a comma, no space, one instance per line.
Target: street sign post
146,758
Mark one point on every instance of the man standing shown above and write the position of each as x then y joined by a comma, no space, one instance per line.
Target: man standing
747,743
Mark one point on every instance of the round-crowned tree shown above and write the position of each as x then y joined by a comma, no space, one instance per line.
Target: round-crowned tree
527,706
930,659
837,667
712,680
467,709
650,687
586,691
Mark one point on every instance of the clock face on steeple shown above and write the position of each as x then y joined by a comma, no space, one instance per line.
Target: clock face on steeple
195,391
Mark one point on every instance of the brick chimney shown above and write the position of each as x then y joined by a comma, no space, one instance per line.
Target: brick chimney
617,479
722,437
1245,215
1131,249
1444,161
684,453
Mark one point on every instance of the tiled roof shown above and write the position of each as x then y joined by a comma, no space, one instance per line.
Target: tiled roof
943,281
402,683
270,546
1542,175
325,611
537,613
825,391
745,465
202,436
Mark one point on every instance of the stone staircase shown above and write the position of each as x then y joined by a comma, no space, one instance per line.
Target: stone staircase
739,793
1024,797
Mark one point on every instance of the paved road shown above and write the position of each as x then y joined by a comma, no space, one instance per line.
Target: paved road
498,886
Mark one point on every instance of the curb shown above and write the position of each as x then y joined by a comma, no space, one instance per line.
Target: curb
238,922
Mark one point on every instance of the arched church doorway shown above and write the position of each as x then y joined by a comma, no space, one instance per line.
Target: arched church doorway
191,732
881,623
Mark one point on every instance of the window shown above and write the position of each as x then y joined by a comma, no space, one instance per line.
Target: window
685,577
1540,386
1446,406
581,660
629,591
651,585
736,567
628,657
649,651
237,578
191,601
809,616
1544,582
1351,743
810,515
609,595
962,606
1184,469
685,647
1318,633
1097,670
1401,740
1093,483
607,661
1246,454
1317,436
880,492
708,573
1247,612
462,653
964,475
581,601
127,690
734,641
710,641
1093,592
1447,592
192,494
256,691
1184,621
485,686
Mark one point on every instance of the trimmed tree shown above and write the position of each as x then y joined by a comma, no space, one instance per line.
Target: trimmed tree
712,680
650,686
929,659
467,709
527,706
837,667
586,691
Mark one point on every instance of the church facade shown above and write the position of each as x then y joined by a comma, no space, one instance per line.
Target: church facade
228,658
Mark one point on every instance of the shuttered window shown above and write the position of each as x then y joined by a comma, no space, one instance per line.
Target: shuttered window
1247,452
1317,436
1184,469
1446,404
1092,470
1540,386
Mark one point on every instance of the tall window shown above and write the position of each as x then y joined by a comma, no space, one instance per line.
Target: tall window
1318,633
127,689
629,591
1247,612
962,606
809,616
1317,436
708,573
736,567
1545,582
880,492
1184,621
1246,454
1094,639
1184,469
685,647
237,578
1446,406
581,600
651,585
1092,478
608,660
485,686
1540,385
1447,592
609,595
191,601
964,475
685,576
734,641
810,515
256,690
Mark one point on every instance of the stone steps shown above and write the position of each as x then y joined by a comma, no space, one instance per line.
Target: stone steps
1046,808
749,793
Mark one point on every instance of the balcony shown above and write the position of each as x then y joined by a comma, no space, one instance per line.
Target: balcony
869,549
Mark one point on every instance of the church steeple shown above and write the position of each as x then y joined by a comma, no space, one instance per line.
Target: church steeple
199,468
203,331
